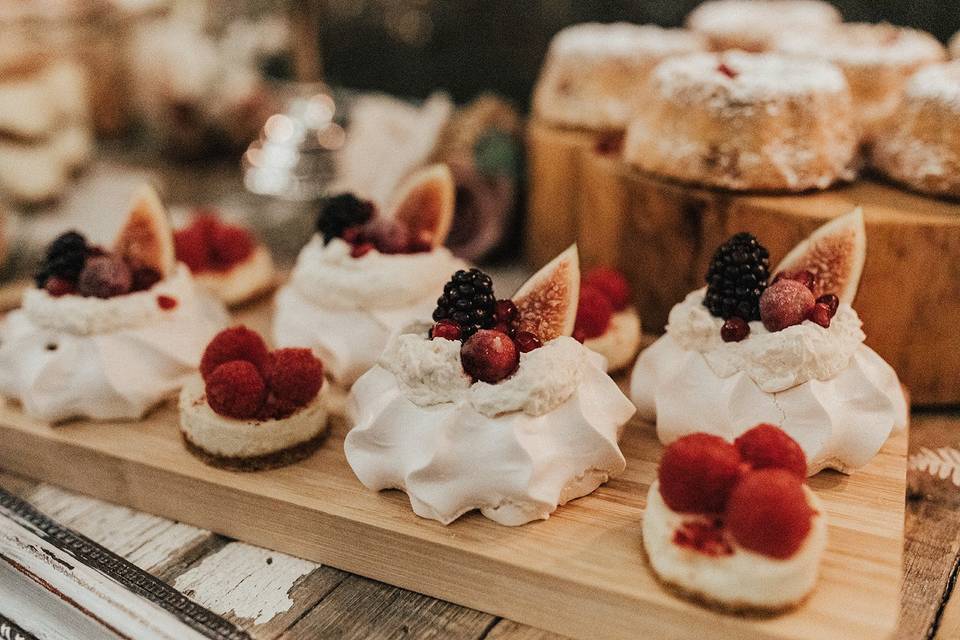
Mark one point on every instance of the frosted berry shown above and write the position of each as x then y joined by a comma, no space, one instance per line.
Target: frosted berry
785,303
57,286
804,277
105,277
489,356
734,330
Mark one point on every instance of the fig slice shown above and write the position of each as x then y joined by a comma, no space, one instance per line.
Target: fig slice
547,302
835,254
146,238
425,204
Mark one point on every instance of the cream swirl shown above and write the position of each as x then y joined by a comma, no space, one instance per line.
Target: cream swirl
775,361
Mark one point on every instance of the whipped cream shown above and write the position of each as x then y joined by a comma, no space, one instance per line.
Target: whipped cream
231,438
451,458
743,579
105,359
429,372
776,360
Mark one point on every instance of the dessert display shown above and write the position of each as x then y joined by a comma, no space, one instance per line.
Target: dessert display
756,25
789,353
365,276
225,258
745,121
249,408
494,407
606,321
734,526
920,147
107,334
877,60
594,72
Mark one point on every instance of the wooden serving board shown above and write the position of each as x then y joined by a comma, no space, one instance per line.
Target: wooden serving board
581,573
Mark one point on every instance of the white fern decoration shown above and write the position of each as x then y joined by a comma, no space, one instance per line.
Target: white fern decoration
943,463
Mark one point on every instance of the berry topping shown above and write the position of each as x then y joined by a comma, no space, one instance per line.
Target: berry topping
697,473
105,277
820,314
766,446
235,389
736,277
296,377
726,70
340,212
57,286
734,329
489,356
612,283
208,244
579,335
594,311
235,343
390,237
704,537
527,341
784,304
768,513
65,258
446,329
467,300
804,277
832,302
505,311
362,249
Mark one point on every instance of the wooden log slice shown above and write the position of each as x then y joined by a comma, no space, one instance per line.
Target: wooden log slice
663,234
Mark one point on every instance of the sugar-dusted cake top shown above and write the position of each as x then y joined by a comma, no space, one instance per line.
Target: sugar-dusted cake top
865,44
624,40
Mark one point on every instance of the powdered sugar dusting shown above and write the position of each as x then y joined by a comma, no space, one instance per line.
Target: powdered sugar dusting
623,40
761,17
940,83
864,44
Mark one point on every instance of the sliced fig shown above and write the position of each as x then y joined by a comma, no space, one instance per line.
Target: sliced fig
146,238
547,302
425,204
835,254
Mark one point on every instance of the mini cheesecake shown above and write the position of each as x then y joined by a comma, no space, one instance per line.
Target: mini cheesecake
606,321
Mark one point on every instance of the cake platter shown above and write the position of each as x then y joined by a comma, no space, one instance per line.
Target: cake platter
580,573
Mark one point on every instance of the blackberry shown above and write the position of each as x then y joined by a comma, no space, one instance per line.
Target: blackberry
340,212
467,300
65,258
737,276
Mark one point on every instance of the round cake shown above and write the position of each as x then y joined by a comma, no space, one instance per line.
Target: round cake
921,148
593,72
746,122
754,25
877,59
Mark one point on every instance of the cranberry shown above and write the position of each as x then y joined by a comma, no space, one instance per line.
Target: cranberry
527,341
489,356
360,250
734,330
446,329
820,314
57,287
831,301
505,311
785,303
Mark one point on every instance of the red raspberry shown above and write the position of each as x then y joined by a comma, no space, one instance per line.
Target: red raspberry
593,312
768,513
697,473
612,283
296,378
230,245
767,446
191,248
235,343
236,389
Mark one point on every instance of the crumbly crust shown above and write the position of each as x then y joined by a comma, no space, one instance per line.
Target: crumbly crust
273,460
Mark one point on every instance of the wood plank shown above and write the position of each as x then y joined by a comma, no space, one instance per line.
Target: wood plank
509,630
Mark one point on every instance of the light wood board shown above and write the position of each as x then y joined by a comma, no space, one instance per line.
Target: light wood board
581,573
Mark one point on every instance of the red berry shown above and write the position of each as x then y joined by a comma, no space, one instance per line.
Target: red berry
832,302
820,314
144,278
768,513
593,312
767,446
166,303
489,356
697,473
105,277
612,283
579,335
388,236
527,341
360,250
505,311
727,70
230,245
704,537
446,329
804,277
503,327
235,343
236,389
191,248
734,330
57,286
784,304
296,377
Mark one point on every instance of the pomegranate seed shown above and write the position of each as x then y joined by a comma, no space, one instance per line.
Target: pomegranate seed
804,277
831,301
446,329
360,250
166,302
505,311
503,327
820,314
734,330
527,341
727,71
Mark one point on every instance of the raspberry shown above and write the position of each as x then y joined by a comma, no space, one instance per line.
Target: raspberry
612,283
768,513
593,312
489,356
784,304
229,245
767,446
209,244
105,277
235,389
235,343
697,473
191,247
296,378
